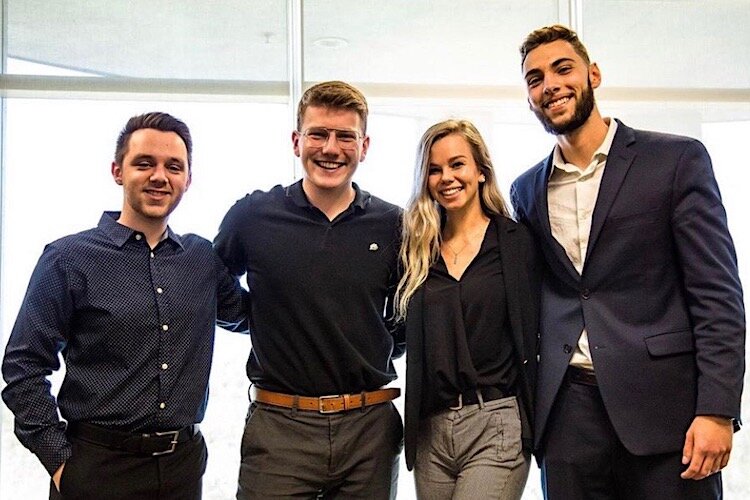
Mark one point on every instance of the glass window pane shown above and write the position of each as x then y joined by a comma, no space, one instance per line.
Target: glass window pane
427,42
229,40
57,181
668,43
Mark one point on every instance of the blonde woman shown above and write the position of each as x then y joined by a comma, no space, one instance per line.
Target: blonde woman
469,298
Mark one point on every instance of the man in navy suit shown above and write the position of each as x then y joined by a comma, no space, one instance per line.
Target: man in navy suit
643,324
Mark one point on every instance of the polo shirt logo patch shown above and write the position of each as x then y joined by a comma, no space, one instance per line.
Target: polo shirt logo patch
374,247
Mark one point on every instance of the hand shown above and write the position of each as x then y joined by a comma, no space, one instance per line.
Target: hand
57,475
708,443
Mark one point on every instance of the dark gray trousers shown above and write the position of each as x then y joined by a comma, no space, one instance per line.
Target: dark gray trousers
304,454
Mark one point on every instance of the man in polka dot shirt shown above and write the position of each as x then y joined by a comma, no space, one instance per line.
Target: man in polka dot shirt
132,306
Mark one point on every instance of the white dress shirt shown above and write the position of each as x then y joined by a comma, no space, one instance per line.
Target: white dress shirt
571,197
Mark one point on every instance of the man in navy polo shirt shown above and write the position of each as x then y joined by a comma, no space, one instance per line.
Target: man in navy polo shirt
321,262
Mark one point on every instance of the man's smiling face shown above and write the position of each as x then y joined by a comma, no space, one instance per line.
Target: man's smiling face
560,86
329,167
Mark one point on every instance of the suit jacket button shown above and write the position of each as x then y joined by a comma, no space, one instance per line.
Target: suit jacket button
567,348
585,294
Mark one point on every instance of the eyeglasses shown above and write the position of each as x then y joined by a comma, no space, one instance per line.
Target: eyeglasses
318,137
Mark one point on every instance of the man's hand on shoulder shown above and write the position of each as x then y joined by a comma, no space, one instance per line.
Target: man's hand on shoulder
708,443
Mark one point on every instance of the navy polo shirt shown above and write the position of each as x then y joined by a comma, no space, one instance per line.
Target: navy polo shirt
321,292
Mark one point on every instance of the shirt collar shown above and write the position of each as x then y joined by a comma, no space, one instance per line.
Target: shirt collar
120,234
601,152
298,196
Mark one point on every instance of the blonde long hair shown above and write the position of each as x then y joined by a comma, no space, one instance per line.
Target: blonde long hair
424,217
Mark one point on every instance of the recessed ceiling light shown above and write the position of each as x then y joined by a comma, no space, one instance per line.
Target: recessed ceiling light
331,42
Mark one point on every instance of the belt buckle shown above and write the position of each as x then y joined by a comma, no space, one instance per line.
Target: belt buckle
172,443
460,403
321,401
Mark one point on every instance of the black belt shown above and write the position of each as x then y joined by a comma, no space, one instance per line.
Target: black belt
471,397
145,443
581,376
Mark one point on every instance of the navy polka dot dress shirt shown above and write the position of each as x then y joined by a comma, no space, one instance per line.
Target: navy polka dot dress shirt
135,327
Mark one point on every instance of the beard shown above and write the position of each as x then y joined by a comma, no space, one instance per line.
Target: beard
584,107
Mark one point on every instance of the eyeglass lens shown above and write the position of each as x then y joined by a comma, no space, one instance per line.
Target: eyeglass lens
318,137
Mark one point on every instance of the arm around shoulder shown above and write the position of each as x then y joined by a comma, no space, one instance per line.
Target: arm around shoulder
233,301
228,242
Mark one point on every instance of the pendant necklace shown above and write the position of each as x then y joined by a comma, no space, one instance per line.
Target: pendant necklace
468,241
455,254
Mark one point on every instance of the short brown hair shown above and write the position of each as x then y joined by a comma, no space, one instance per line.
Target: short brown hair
550,34
334,94
156,120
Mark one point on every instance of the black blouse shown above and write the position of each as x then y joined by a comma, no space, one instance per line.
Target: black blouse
467,339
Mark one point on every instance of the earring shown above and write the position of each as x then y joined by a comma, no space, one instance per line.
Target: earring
482,179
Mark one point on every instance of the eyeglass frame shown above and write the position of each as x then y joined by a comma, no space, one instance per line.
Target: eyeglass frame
359,137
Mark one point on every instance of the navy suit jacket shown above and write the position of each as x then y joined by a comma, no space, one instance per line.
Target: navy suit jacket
659,293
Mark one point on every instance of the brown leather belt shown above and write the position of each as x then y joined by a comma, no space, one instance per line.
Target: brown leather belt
581,376
325,404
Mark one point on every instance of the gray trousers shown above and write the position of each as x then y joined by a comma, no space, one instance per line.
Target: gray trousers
471,453
303,454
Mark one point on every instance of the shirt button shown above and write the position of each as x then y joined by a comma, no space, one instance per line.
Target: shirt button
152,254
567,348
585,294
164,366
159,290
165,327
162,405
138,237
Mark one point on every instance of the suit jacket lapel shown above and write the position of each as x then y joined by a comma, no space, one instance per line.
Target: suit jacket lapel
542,208
618,162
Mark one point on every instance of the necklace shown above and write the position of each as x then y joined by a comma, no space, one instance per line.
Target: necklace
469,240
455,254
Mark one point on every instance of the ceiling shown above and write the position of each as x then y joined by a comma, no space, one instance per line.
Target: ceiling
639,43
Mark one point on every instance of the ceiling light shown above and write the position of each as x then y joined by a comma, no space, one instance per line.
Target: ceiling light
331,42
